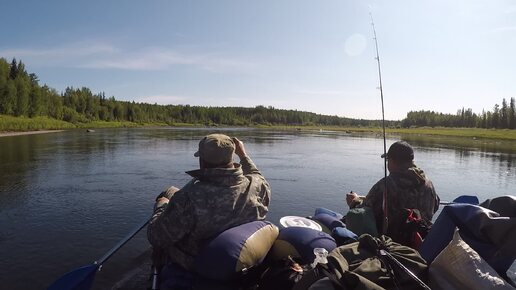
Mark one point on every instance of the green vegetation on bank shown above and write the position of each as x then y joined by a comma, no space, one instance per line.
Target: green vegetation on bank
479,133
503,117
19,124
41,107
502,134
10,123
22,96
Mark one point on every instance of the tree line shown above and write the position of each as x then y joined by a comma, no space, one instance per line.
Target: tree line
503,117
22,95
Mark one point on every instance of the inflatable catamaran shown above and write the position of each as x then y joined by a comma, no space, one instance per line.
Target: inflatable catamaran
470,246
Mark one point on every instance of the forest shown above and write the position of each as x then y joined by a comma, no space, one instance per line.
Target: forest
22,95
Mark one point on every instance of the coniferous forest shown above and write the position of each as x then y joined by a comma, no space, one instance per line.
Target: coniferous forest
22,95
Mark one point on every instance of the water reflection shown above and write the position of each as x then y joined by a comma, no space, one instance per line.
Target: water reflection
18,156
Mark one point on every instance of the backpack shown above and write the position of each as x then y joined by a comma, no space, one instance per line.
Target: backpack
370,263
412,228
361,220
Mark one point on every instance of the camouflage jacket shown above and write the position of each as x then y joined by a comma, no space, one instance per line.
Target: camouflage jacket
214,200
407,188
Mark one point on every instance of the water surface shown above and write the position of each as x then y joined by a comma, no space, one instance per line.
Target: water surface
66,198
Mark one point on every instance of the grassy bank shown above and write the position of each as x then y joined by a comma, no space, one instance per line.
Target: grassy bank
501,134
24,124
19,124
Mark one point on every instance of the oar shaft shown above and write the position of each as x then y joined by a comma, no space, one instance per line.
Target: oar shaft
121,243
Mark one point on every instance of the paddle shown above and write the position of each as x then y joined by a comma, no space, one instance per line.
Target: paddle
82,278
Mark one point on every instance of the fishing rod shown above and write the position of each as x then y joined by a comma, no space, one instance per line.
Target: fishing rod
384,203
391,258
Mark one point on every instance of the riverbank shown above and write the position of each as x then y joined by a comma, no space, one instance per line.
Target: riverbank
474,133
10,124
24,124
8,134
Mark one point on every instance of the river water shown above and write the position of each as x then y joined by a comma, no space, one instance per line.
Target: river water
66,198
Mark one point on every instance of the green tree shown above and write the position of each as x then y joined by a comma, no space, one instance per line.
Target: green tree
9,100
35,97
22,96
54,102
4,78
13,72
35,102
495,118
504,115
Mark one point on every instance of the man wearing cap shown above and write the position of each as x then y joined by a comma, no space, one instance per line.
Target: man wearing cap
407,187
221,195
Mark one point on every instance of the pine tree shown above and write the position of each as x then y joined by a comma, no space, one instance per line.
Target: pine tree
495,123
13,73
504,115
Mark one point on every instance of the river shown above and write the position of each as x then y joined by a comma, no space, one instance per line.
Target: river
66,198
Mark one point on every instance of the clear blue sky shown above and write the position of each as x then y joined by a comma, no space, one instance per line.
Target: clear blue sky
313,56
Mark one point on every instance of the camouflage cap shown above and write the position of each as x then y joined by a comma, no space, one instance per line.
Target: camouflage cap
401,151
216,149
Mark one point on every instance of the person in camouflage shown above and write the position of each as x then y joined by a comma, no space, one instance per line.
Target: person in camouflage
221,195
407,187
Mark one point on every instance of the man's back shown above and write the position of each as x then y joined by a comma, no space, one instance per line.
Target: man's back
215,200
223,198
406,188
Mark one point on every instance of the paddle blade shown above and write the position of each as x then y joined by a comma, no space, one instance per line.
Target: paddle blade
78,279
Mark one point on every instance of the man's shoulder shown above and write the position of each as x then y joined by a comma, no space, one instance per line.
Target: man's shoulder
380,184
199,190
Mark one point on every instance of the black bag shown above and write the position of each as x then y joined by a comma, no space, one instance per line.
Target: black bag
361,266
282,274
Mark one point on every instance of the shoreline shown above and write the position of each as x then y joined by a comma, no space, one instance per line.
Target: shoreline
468,133
9,134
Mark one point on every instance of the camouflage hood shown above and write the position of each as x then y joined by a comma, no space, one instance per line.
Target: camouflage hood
221,176
411,177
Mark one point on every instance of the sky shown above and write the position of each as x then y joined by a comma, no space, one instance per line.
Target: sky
316,56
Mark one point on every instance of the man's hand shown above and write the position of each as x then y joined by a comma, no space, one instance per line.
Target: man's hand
350,197
168,193
160,201
239,148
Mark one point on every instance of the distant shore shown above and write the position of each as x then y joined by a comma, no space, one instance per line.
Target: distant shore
13,126
8,134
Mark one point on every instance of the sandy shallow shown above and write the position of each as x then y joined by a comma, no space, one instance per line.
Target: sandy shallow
7,134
